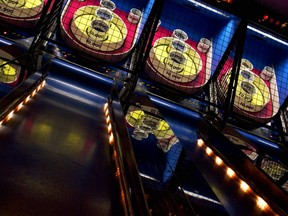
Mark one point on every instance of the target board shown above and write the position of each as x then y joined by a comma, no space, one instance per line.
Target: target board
9,71
99,30
256,94
146,122
22,13
183,64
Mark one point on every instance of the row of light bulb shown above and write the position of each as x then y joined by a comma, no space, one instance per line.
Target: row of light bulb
261,203
21,104
114,155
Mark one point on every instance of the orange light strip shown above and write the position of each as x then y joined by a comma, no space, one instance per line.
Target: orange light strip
108,122
21,104
260,202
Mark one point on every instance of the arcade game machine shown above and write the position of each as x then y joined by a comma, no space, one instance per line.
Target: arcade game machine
190,39
56,153
19,18
257,84
284,119
57,156
19,24
159,153
255,118
103,32
12,69
171,183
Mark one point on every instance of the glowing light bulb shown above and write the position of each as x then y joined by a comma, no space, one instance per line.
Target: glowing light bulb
208,151
244,186
9,116
261,203
107,113
19,106
200,142
111,139
27,99
230,172
218,161
105,106
108,119
109,128
43,83
33,93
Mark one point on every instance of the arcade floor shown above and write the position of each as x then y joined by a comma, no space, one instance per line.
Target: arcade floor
56,160
54,154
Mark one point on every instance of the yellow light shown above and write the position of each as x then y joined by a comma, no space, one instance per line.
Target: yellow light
200,142
261,203
111,139
218,161
208,151
108,119
19,106
105,107
244,186
230,172
1,122
117,172
33,93
38,88
27,99
106,112
9,116
43,83
109,128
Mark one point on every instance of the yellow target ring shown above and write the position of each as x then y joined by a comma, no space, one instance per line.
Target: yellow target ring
82,29
162,130
21,8
8,72
159,54
134,118
246,101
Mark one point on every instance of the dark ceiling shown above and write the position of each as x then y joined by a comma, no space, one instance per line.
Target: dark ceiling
278,6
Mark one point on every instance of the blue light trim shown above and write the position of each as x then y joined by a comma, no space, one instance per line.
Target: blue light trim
6,42
198,4
85,71
178,109
258,140
264,34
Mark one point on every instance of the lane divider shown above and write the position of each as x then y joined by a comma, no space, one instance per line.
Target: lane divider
244,187
6,118
115,157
